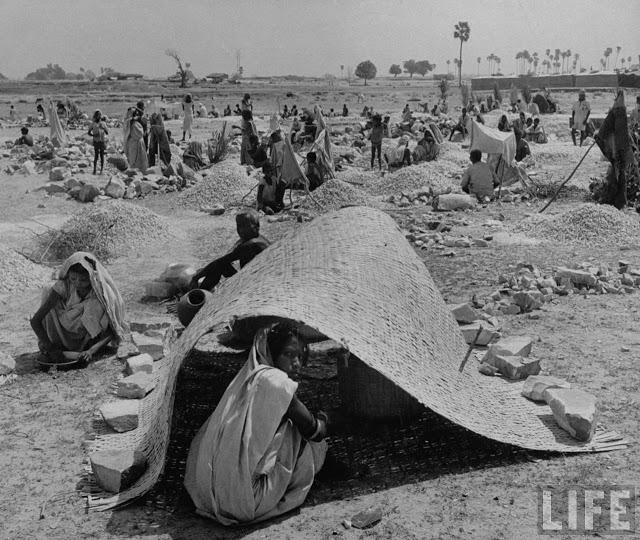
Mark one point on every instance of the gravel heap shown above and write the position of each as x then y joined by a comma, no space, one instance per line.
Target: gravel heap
18,272
357,176
333,195
107,230
587,223
227,182
438,175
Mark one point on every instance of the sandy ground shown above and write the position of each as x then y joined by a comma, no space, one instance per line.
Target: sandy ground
44,418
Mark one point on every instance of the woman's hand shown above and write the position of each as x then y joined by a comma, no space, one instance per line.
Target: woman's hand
87,356
46,346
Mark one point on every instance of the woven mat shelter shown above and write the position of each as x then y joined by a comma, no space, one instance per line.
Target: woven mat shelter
351,276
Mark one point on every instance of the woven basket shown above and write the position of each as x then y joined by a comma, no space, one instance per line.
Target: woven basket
364,393
352,277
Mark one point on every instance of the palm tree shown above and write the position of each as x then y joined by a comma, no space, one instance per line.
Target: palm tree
462,32
518,57
536,61
629,59
490,62
497,60
618,49
478,60
607,53
622,61
556,58
448,64
576,57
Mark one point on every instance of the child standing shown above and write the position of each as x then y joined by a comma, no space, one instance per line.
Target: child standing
375,137
98,131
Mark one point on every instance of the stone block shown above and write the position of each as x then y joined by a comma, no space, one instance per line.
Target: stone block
121,415
56,174
116,188
141,363
575,411
515,367
126,349
54,188
478,242
136,386
464,313
152,346
487,335
88,193
511,346
527,301
7,364
535,386
159,289
577,277
511,309
116,470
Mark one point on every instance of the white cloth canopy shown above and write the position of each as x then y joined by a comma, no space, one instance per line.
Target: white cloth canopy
493,141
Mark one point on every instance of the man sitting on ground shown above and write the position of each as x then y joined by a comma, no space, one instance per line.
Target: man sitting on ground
25,138
270,191
315,175
479,178
249,245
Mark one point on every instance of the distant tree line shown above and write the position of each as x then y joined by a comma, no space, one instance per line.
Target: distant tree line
53,72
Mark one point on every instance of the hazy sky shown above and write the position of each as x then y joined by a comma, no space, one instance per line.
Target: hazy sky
305,37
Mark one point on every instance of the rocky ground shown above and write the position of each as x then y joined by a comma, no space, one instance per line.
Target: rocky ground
587,336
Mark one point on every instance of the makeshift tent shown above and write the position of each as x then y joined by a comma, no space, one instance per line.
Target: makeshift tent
501,147
292,173
350,276
325,161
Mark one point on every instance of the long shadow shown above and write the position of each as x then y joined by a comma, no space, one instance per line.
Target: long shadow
364,457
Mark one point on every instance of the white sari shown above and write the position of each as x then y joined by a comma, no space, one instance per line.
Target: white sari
248,463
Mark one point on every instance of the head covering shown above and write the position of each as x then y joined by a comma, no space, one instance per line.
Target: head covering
104,288
403,140
619,100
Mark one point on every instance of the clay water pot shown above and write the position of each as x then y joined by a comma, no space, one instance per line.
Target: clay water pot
190,304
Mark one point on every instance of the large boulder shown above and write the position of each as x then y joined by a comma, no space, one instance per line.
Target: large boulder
577,277
151,345
454,201
575,411
116,470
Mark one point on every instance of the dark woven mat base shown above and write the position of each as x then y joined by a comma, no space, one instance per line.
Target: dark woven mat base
363,457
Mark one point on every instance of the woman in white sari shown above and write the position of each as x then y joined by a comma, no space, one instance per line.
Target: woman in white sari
133,138
258,453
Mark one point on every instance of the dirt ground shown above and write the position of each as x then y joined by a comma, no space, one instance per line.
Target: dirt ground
590,340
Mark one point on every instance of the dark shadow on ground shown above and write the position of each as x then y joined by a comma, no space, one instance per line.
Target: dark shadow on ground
364,456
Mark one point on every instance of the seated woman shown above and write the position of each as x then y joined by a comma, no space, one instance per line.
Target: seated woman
81,313
400,155
535,133
503,124
258,453
193,156
270,198
427,148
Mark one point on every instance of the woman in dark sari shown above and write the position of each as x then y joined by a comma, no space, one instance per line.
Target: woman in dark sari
158,142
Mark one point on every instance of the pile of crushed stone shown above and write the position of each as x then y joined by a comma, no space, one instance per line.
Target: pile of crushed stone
438,175
587,223
17,272
107,230
357,177
333,195
227,182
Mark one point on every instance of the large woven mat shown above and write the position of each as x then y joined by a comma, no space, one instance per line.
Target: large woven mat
353,277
